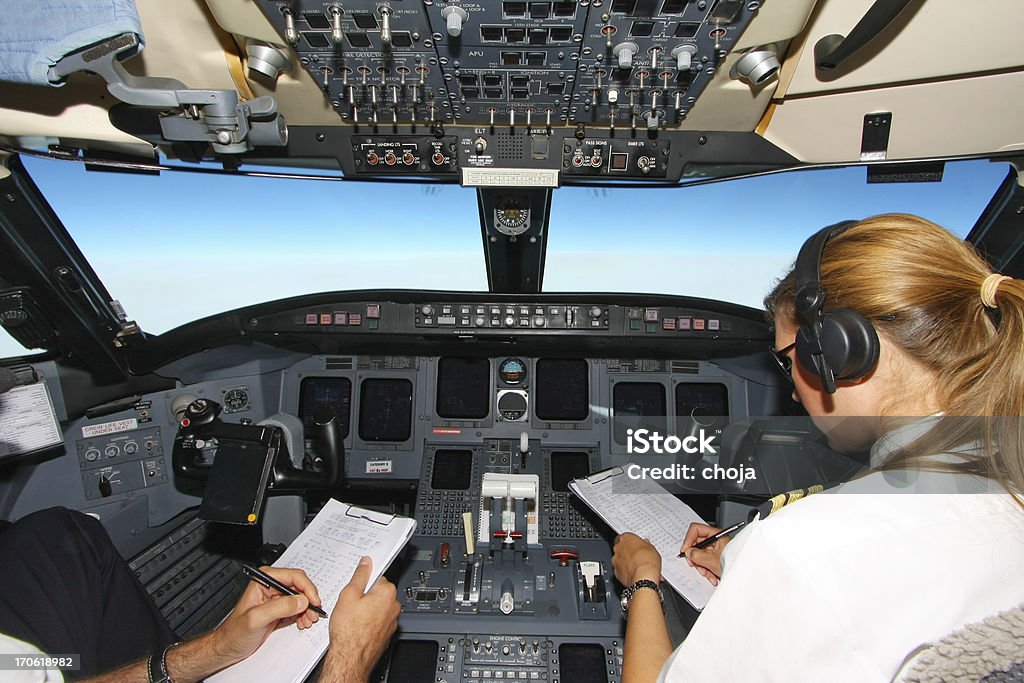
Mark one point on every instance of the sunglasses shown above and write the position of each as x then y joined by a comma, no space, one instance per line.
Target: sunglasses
784,362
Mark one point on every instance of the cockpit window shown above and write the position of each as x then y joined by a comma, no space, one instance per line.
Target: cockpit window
731,240
178,247
181,246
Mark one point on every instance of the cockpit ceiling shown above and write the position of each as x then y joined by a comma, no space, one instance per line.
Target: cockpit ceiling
950,75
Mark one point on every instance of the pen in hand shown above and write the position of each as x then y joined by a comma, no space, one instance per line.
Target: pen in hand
268,581
711,539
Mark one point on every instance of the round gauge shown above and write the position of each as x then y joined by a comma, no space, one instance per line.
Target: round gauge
236,399
511,215
512,371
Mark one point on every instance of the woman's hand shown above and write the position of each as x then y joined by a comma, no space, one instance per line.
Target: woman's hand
708,561
634,558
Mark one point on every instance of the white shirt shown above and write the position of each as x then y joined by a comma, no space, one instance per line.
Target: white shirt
13,646
844,587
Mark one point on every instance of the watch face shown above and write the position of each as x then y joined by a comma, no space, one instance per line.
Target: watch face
624,600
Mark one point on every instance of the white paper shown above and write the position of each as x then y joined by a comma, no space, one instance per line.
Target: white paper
27,420
645,508
328,550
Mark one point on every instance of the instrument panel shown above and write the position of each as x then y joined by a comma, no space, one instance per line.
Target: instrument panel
394,406
444,432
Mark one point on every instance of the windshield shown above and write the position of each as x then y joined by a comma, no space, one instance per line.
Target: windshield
178,247
729,241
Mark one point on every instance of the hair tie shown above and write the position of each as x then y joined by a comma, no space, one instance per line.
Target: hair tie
989,287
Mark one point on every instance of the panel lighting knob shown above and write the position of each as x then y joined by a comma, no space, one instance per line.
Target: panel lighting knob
595,312
684,55
539,321
455,18
427,309
479,321
510,321
624,52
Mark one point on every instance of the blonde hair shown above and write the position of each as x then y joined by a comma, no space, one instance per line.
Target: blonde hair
921,287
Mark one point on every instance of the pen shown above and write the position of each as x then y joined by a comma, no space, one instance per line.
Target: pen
268,581
711,539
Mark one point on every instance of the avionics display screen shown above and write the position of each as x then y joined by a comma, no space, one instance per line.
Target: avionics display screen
452,470
563,390
323,397
638,405
463,388
582,662
702,399
408,658
568,466
385,410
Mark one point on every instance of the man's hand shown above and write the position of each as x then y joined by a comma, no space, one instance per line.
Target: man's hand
634,558
708,561
261,610
361,626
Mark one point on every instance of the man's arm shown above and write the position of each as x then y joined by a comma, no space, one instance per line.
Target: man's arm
259,611
361,627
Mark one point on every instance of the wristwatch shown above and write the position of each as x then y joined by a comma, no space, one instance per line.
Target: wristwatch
627,594
158,666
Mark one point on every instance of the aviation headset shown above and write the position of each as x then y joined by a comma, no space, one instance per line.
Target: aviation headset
837,344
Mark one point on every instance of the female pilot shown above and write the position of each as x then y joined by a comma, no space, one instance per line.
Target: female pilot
897,337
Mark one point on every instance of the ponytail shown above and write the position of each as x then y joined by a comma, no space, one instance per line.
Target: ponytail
935,297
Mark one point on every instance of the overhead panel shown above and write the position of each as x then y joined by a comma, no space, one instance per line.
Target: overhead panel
637,63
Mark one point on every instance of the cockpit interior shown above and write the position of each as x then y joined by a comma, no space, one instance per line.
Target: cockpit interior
500,146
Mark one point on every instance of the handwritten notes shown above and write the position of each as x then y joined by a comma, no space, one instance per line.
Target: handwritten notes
328,550
643,507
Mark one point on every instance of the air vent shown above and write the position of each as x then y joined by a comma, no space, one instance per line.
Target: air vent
685,367
337,363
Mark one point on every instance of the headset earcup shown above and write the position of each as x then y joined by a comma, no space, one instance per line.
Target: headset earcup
849,342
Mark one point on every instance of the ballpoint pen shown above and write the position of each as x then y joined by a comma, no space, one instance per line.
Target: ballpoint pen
711,539
268,581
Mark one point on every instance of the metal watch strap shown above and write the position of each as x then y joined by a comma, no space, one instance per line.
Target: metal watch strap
158,666
627,595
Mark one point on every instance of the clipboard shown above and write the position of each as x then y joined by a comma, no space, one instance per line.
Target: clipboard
598,477
645,508
328,550
28,421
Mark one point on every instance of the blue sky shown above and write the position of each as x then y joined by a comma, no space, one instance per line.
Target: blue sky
155,240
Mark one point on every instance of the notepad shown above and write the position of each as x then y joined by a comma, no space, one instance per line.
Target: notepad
645,508
328,550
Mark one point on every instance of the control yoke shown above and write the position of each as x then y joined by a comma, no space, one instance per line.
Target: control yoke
214,116
201,433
